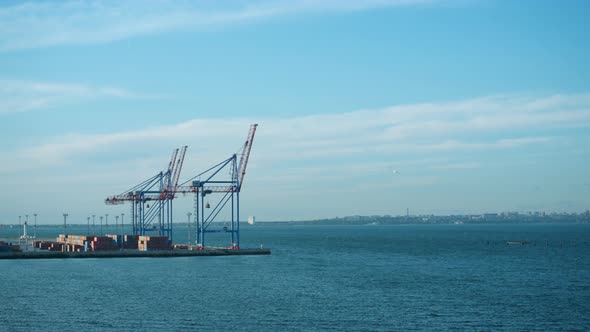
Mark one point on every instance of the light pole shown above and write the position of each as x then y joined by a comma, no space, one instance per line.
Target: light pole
101,225
93,225
122,227
35,228
116,224
88,226
65,222
188,223
19,225
107,222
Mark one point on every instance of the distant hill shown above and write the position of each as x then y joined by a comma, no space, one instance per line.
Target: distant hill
511,217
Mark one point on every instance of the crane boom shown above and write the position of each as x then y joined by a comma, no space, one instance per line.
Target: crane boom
168,183
246,155
176,174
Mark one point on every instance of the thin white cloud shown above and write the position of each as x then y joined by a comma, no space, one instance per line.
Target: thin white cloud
453,166
506,143
23,96
477,124
43,24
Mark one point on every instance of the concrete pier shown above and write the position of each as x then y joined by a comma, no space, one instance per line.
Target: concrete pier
42,254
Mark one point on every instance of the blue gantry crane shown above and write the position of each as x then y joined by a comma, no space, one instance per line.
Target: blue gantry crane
152,199
224,179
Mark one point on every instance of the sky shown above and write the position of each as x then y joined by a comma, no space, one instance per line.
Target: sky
480,106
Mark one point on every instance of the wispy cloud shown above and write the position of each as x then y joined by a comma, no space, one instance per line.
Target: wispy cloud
42,24
477,124
23,96
459,166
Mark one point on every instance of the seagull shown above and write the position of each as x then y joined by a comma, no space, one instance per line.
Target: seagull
395,171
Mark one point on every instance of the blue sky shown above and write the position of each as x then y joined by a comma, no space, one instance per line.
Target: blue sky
480,105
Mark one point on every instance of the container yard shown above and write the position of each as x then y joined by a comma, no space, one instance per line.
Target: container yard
111,246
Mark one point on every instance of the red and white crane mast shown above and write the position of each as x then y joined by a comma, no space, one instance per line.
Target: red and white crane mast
246,155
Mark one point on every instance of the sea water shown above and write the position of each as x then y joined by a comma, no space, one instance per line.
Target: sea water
318,278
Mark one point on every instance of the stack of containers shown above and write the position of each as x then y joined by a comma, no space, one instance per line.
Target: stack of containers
146,243
55,246
102,243
78,240
74,248
130,241
61,244
44,245
72,243
116,238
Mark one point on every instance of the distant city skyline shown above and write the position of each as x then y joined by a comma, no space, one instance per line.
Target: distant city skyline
478,106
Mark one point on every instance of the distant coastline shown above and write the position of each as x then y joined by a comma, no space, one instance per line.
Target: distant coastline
486,218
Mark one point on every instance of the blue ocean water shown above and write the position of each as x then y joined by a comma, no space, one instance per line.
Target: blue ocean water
353,278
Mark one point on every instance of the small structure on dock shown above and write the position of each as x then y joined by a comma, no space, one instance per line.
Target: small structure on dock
25,236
